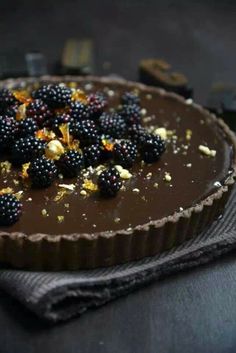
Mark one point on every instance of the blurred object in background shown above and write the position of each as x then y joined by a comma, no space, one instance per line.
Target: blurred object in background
158,72
78,57
12,64
36,64
222,101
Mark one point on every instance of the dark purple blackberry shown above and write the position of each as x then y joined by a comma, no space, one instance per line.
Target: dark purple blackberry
129,98
7,132
7,99
136,132
96,104
55,96
113,125
39,111
42,172
85,131
27,127
12,111
109,182
27,148
78,110
92,155
131,113
124,153
10,209
55,122
152,148
70,163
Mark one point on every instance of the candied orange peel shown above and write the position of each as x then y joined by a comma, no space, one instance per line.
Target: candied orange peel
79,95
24,172
45,134
108,145
22,96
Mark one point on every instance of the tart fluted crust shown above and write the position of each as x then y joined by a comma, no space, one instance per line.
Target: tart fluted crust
79,250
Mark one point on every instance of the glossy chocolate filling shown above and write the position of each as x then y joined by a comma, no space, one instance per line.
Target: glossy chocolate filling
194,176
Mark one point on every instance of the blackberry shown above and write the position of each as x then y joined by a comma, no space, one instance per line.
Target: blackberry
113,125
109,182
136,132
124,153
27,127
10,209
7,131
131,113
12,111
27,148
152,148
92,155
7,99
58,120
70,163
56,96
85,131
42,172
96,104
129,98
79,111
39,111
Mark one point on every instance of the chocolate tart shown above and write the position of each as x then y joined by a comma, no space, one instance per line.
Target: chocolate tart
152,214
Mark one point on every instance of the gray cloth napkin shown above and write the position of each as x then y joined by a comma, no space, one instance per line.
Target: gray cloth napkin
57,296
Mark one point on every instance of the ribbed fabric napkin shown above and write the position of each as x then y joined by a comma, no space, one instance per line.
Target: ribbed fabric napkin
57,296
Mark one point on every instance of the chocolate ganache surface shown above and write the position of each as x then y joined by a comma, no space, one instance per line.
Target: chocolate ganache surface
149,194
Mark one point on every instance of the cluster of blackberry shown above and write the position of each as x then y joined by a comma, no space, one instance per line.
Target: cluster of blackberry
88,121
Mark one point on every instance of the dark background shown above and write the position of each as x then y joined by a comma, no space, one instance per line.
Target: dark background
190,312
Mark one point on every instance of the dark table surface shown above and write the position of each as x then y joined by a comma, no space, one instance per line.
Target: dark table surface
193,311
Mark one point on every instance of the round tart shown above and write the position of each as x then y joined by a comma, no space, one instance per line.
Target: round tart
156,196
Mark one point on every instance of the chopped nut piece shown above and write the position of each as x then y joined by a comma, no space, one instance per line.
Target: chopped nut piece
5,167
143,111
54,150
136,190
44,212
6,191
162,132
188,134
147,119
117,220
149,175
67,205
110,93
60,195
89,185
125,174
207,151
60,219
16,182
167,177
18,195
83,192
189,165
189,101
70,187
156,185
